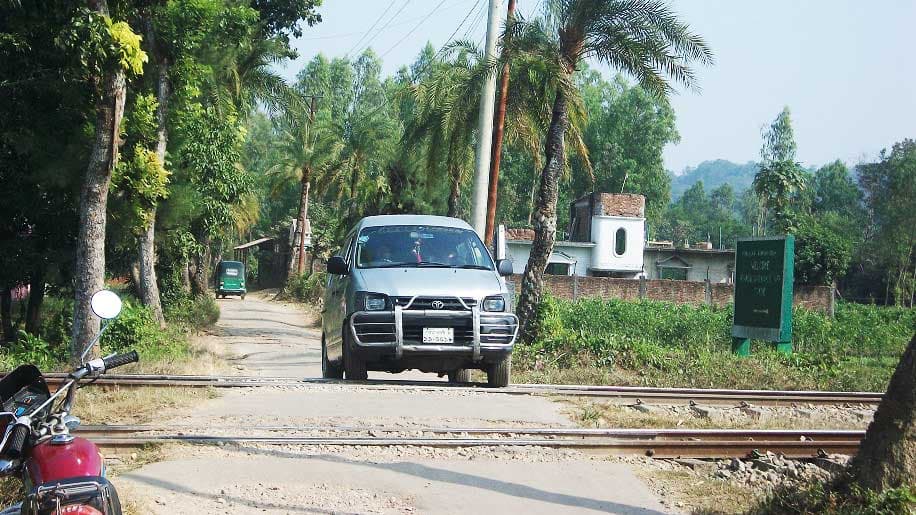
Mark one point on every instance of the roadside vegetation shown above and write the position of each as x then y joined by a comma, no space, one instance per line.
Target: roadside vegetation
161,348
649,343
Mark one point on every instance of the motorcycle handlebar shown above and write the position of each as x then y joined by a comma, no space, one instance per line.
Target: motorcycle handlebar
18,436
121,359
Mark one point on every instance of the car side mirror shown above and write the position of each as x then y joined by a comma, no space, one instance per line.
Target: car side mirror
337,266
504,267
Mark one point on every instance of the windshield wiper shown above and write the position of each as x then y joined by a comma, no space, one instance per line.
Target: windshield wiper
433,264
393,265
474,267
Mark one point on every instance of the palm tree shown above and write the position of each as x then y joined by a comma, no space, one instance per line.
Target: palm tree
445,116
308,154
643,38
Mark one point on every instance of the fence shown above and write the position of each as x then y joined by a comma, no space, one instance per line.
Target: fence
815,298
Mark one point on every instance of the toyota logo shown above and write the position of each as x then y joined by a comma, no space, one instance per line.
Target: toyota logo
437,304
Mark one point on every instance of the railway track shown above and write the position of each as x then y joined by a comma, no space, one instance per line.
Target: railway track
611,393
659,443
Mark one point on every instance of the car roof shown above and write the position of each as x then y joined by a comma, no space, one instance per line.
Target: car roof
386,220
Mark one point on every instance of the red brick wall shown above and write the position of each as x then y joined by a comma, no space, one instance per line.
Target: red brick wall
817,298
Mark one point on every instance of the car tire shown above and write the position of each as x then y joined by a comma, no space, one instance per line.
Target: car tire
498,373
243,296
354,367
329,370
462,375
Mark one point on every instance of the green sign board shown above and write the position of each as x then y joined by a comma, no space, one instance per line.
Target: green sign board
764,271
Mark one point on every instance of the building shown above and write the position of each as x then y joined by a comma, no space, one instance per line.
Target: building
607,238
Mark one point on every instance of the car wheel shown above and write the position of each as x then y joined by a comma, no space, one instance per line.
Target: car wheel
498,373
243,296
354,367
329,370
462,375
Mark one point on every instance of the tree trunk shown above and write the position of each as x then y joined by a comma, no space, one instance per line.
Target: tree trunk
454,195
89,275
887,455
149,287
186,276
36,299
201,275
545,222
299,236
6,314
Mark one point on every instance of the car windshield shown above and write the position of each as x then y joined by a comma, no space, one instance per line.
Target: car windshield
397,246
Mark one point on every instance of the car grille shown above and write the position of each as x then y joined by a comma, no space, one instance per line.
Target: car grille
495,328
413,329
448,303
374,327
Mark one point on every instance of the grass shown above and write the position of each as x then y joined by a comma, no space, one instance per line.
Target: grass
648,343
603,415
696,494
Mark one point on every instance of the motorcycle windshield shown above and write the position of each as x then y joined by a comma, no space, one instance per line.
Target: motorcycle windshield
22,389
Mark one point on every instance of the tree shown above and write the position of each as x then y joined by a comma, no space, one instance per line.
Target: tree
890,187
641,38
887,454
823,248
307,152
112,50
779,177
627,130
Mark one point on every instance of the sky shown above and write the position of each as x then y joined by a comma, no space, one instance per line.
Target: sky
844,68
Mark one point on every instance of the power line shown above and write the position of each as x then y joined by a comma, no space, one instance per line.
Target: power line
417,26
385,26
390,5
450,38
441,49
343,35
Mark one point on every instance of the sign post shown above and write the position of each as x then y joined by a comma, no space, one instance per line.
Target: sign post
764,273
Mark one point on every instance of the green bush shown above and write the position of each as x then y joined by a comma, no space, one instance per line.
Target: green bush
307,287
56,320
666,344
195,312
839,497
136,329
31,349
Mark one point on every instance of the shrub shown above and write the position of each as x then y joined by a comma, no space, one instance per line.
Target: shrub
56,320
840,497
308,287
31,349
197,312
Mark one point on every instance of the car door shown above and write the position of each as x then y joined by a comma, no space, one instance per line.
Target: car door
335,306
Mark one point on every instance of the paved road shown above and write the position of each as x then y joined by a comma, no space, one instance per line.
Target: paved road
272,339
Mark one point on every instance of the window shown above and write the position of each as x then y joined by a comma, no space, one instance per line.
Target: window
677,274
401,246
620,242
557,269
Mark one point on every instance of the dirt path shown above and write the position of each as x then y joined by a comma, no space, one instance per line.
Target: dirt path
272,339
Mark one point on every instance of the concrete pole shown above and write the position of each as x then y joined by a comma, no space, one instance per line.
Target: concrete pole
485,127
498,133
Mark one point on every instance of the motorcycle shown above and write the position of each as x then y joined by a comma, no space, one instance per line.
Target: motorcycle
62,474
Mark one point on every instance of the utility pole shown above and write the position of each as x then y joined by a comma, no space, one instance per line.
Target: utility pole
306,186
498,132
485,127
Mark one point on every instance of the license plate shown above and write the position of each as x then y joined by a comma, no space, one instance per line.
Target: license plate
438,335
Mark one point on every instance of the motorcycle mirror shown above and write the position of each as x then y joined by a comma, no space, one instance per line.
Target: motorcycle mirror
105,304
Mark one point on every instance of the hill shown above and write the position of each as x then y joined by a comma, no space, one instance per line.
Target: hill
714,174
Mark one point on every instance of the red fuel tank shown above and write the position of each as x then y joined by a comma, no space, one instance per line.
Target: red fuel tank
79,458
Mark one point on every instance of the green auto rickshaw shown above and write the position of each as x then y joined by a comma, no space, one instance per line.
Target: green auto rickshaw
230,279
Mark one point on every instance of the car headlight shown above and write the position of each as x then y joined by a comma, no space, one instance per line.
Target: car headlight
494,304
373,301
